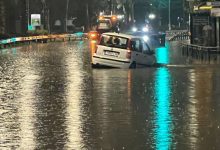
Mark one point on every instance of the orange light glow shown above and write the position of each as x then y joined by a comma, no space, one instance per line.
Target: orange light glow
101,17
93,35
93,47
114,18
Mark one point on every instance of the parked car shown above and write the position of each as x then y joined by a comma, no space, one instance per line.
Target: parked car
122,51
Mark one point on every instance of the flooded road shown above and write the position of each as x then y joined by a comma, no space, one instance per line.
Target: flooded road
51,98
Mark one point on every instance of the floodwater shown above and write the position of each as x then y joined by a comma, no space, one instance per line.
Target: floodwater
51,98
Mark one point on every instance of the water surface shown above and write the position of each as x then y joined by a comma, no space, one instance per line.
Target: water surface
51,98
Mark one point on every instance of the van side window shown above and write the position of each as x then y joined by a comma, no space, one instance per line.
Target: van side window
136,45
146,48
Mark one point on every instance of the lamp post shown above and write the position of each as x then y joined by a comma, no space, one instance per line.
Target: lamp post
66,16
132,10
46,16
28,12
169,16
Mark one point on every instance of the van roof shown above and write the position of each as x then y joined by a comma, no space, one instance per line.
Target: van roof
120,34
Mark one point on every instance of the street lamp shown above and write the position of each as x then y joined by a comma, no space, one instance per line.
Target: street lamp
66,16
28,11
169,16
152,16
46,16
132,10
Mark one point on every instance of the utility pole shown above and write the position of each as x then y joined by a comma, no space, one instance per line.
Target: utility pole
48,20
87,14
28,12
110,6
169,7
43,14
132,10
46,16
66,16
113,6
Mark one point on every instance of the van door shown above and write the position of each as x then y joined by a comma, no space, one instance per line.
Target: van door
148,57
136,48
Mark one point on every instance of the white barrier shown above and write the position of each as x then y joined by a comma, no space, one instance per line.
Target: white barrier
42,37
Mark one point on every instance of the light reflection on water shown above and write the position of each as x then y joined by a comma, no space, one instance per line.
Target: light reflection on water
17,101
193,111
26,109
162,55
50,98
163,117
74,95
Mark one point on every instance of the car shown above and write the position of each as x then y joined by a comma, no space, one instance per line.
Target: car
104,26
154,39
142,28
152,36
122,51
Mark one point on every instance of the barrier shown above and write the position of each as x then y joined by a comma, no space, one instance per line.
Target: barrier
180,36
175,35
200,52
43,38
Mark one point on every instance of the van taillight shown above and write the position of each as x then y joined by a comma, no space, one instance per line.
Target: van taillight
128,55
96,47
93,46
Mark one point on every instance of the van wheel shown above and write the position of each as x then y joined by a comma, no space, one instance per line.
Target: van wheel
133,65
95,65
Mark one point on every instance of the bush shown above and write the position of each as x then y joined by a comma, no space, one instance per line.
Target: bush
38,32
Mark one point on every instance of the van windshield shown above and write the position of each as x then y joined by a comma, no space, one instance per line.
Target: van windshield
114,41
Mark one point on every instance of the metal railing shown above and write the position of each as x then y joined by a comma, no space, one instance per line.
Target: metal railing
176,35
200,52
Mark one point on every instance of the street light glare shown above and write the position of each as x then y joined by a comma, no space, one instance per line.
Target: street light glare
152,16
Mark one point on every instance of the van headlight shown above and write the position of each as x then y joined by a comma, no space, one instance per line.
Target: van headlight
134,29
146,38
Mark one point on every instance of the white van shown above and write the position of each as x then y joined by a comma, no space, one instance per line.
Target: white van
122,51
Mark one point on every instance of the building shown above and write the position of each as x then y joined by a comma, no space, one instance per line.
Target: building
205,24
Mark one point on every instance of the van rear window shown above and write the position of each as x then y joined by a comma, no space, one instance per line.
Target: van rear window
114,41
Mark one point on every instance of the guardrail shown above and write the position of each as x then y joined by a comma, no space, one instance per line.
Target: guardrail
180,36
200,52
41,38
175,35
174,32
